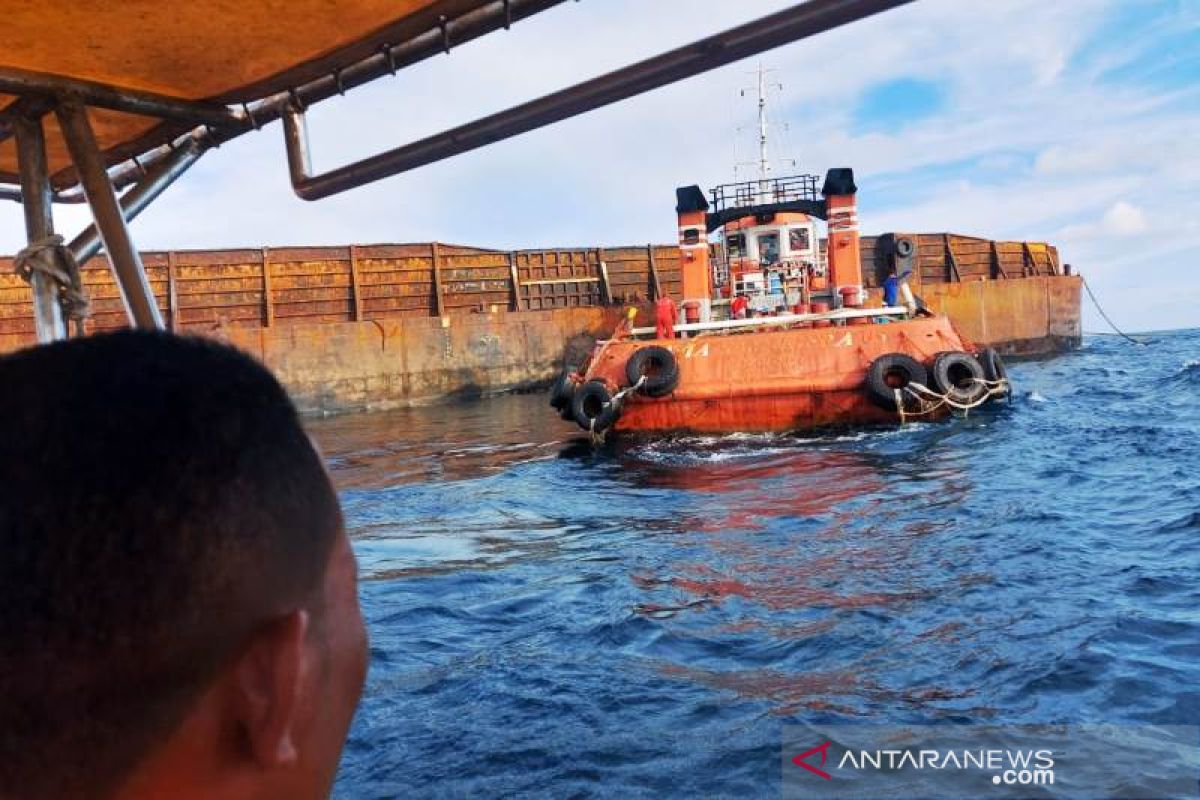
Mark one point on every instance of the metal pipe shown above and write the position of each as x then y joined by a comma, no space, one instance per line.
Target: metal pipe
134,201
39,224
463,28
133,101
140,305
789,25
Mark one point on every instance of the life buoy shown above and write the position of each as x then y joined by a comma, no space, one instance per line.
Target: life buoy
563,388
658,366
904,246
890,372
593,408
959,376
994,369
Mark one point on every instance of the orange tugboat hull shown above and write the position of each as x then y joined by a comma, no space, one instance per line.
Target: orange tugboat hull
781,380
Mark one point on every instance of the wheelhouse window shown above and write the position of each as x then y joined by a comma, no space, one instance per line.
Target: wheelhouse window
768,248
735,244
691,236
798,240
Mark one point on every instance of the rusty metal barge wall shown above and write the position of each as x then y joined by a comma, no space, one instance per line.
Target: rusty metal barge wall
1014,296
371,326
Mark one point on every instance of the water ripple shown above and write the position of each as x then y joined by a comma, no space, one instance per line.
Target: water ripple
551,620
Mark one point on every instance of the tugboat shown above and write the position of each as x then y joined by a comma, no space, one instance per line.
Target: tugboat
776,335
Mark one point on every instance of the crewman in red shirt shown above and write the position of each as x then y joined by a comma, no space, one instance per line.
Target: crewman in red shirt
665,317
738,307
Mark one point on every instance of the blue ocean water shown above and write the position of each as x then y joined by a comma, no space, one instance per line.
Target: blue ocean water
639,621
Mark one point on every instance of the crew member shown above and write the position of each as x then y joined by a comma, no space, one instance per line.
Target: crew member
891,289
737,309
625,326
665,317
178,605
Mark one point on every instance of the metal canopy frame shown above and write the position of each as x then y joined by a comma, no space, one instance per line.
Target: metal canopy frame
187,128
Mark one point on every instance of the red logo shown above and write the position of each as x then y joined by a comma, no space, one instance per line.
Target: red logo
823,749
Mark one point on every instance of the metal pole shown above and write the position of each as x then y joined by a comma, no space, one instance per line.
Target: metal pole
134,201
18,81
791,24
140,305
39,224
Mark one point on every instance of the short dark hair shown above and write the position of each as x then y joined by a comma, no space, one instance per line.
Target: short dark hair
159,500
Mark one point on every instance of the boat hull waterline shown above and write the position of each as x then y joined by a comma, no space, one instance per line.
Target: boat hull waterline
771,381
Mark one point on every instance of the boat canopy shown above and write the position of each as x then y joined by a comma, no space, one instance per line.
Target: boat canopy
183,64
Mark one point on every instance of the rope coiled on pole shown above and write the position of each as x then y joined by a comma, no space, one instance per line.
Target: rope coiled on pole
50,257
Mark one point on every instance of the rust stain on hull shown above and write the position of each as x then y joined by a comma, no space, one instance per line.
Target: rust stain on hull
773,381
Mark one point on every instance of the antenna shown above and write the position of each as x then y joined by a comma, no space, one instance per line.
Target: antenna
762,87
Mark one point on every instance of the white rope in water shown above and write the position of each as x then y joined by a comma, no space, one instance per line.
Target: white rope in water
930,401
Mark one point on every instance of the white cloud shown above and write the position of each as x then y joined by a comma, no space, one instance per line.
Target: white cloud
1124,219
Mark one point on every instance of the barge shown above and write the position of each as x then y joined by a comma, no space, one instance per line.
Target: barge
374,326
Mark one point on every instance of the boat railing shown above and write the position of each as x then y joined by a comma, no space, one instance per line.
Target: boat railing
780,320
747,194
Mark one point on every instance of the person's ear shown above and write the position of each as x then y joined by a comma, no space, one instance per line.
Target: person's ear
267,682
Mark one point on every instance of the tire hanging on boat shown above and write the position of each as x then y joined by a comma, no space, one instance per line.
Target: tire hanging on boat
563,388
993,365
959,376
658,366
890,372
593,408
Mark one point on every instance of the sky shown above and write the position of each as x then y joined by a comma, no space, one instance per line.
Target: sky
1076,123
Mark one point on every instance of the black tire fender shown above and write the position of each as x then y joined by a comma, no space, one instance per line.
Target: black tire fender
659,367
958,375
563,388
993,365
593,408
893,371
994,369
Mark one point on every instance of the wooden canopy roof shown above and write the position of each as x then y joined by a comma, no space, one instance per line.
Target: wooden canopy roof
220,51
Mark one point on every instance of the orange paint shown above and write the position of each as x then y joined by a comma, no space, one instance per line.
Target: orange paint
844,257
773,381
696,275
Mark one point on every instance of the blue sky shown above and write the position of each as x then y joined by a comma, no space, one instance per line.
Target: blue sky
1075,122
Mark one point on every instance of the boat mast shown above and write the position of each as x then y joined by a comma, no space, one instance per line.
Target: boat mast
764,162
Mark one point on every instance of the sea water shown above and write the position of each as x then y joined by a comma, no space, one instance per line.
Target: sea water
640,620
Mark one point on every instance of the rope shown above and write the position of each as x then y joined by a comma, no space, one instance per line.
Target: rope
620,396
616,400
930,401
51,258
1112,324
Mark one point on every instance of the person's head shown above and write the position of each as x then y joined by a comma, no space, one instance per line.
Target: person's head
178,607
892,272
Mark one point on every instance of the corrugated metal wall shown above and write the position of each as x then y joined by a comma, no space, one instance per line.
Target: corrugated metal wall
206,289
266,287
950,258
